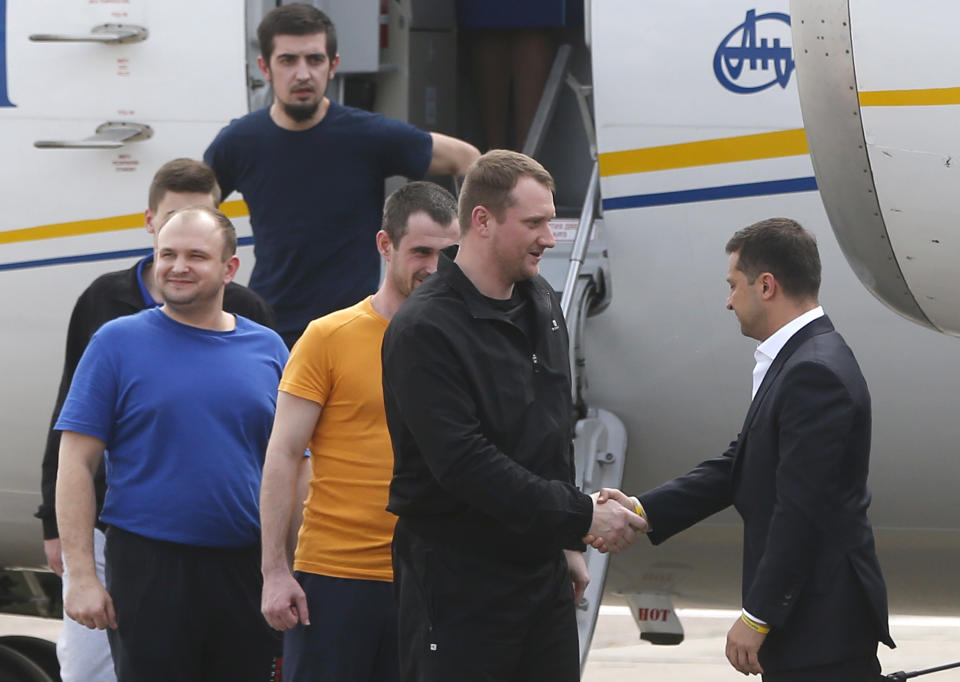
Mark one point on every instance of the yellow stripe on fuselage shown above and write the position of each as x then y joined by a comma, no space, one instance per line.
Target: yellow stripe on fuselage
910,98
667,157
705,152
233,209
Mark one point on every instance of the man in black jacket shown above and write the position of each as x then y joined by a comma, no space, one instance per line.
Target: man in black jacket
814,600
85,654
477,393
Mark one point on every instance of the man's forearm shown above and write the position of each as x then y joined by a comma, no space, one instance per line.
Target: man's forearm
304,473
76,510
277,490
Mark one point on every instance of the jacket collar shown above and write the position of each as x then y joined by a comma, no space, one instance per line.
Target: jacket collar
535,290
821,325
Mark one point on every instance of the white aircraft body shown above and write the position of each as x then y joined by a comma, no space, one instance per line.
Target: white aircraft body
72,211
699,131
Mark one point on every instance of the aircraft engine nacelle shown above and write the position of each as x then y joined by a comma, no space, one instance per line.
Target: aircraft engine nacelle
878,89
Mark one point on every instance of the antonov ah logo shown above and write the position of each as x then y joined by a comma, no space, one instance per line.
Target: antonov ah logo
756,54
4,99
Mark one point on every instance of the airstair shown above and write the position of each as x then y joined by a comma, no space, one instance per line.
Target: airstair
578,267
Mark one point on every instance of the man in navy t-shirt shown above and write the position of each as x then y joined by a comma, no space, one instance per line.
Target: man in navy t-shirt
312,173
182,399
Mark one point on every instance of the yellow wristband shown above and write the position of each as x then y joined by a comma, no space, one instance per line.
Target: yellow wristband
638,508
753,625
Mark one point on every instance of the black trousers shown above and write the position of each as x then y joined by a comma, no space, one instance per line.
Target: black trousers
864,669
187,614
477,618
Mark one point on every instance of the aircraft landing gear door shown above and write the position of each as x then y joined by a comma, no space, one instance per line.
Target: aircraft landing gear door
112,90
600,448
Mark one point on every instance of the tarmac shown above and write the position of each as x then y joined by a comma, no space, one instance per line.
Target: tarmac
618,654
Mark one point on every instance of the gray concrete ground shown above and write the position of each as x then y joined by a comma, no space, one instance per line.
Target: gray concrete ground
618,655
46,628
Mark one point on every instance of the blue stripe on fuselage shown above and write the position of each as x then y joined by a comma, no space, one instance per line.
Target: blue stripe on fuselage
687,196
90,257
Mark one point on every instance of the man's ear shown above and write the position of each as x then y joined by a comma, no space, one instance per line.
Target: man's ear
480,219
768,285
264,67
148,217
384,245
233,264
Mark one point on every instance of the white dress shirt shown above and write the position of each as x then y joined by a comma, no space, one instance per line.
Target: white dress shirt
767,351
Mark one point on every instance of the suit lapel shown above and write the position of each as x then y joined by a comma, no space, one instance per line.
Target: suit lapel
820,325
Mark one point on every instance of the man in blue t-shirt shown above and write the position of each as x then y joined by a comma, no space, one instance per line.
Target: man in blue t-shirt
84,655
312,173
182,399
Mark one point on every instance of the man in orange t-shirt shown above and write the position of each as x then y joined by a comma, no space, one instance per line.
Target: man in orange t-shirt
337,608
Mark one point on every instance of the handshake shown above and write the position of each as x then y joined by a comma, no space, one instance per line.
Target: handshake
615,521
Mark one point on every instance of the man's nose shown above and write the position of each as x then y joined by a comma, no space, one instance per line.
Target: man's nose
547,240
302,72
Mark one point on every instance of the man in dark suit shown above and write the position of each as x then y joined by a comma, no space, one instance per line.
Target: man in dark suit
814,600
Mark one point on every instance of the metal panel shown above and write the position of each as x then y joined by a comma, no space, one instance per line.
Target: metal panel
432,15
358,33
831,117
185,81
259,91
909,109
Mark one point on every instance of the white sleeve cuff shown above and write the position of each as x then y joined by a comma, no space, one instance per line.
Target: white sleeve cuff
754,618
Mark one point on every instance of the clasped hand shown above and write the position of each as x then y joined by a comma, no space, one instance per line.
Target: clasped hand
615,526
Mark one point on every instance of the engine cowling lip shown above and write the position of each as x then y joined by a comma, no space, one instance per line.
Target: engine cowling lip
829,100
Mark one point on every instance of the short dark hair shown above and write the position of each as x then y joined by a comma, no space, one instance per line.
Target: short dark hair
183,175
416,197
295,19
491,179
783,248
223,222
